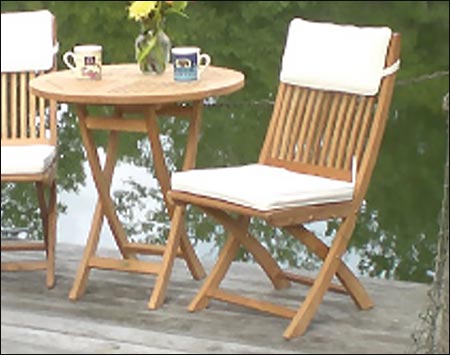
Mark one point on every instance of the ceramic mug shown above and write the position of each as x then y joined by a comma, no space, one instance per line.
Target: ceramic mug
188,63
85,61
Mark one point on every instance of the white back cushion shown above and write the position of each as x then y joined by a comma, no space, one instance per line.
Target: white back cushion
27,41
335,57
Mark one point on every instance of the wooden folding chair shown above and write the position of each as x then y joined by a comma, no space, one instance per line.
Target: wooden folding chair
28,127
321,146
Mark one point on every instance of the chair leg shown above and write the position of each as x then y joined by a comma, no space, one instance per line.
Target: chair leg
226,257
191,258
240,231
173,241
350,282
332,262
52,226
48,214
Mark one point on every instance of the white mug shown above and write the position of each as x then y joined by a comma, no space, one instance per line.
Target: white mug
85,61
188,63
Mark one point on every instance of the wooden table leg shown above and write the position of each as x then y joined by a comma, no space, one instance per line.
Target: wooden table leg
105,207
163,177
177,236
189,163
80,282
101,182
162,280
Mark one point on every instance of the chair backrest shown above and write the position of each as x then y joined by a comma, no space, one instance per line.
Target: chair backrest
28,49
332,102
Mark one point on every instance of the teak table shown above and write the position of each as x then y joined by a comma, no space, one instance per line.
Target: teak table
125,88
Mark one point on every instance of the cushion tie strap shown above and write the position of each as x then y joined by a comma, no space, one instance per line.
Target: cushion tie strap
392,68
56,48
354,170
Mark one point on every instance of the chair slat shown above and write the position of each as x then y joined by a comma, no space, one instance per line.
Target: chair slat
366,123
32,110
270,135
297,123
304,125
286,137
310,137
356,126
41,117
4,106
13,105
322,124
281,121
23,104
337,133
335,100
345,133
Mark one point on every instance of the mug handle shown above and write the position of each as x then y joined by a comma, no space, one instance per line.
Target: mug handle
207,60
66,59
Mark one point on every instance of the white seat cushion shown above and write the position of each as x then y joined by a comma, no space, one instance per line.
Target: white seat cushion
335,57
262,187
30,159
27,41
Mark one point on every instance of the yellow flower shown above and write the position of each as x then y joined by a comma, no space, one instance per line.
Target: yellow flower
139,10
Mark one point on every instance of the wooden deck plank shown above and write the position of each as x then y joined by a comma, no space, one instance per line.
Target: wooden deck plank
112,317
63,341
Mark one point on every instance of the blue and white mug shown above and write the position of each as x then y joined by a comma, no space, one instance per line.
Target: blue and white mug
188,63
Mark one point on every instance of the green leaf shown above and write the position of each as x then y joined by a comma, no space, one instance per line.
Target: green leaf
159,57
179,5
142,54
178,8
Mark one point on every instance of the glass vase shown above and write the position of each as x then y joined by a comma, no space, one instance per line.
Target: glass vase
153,51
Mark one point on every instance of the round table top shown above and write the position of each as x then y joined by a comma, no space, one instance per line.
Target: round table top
124,84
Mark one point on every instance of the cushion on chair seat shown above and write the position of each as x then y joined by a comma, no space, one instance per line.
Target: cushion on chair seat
30,159
262,187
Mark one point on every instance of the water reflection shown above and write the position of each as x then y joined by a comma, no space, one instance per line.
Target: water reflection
397,229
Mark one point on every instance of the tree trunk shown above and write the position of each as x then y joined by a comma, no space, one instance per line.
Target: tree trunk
443,336
432,337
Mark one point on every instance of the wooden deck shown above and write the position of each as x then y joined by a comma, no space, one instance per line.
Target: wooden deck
112,316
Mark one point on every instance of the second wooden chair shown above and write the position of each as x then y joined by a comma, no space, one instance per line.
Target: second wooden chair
320,150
